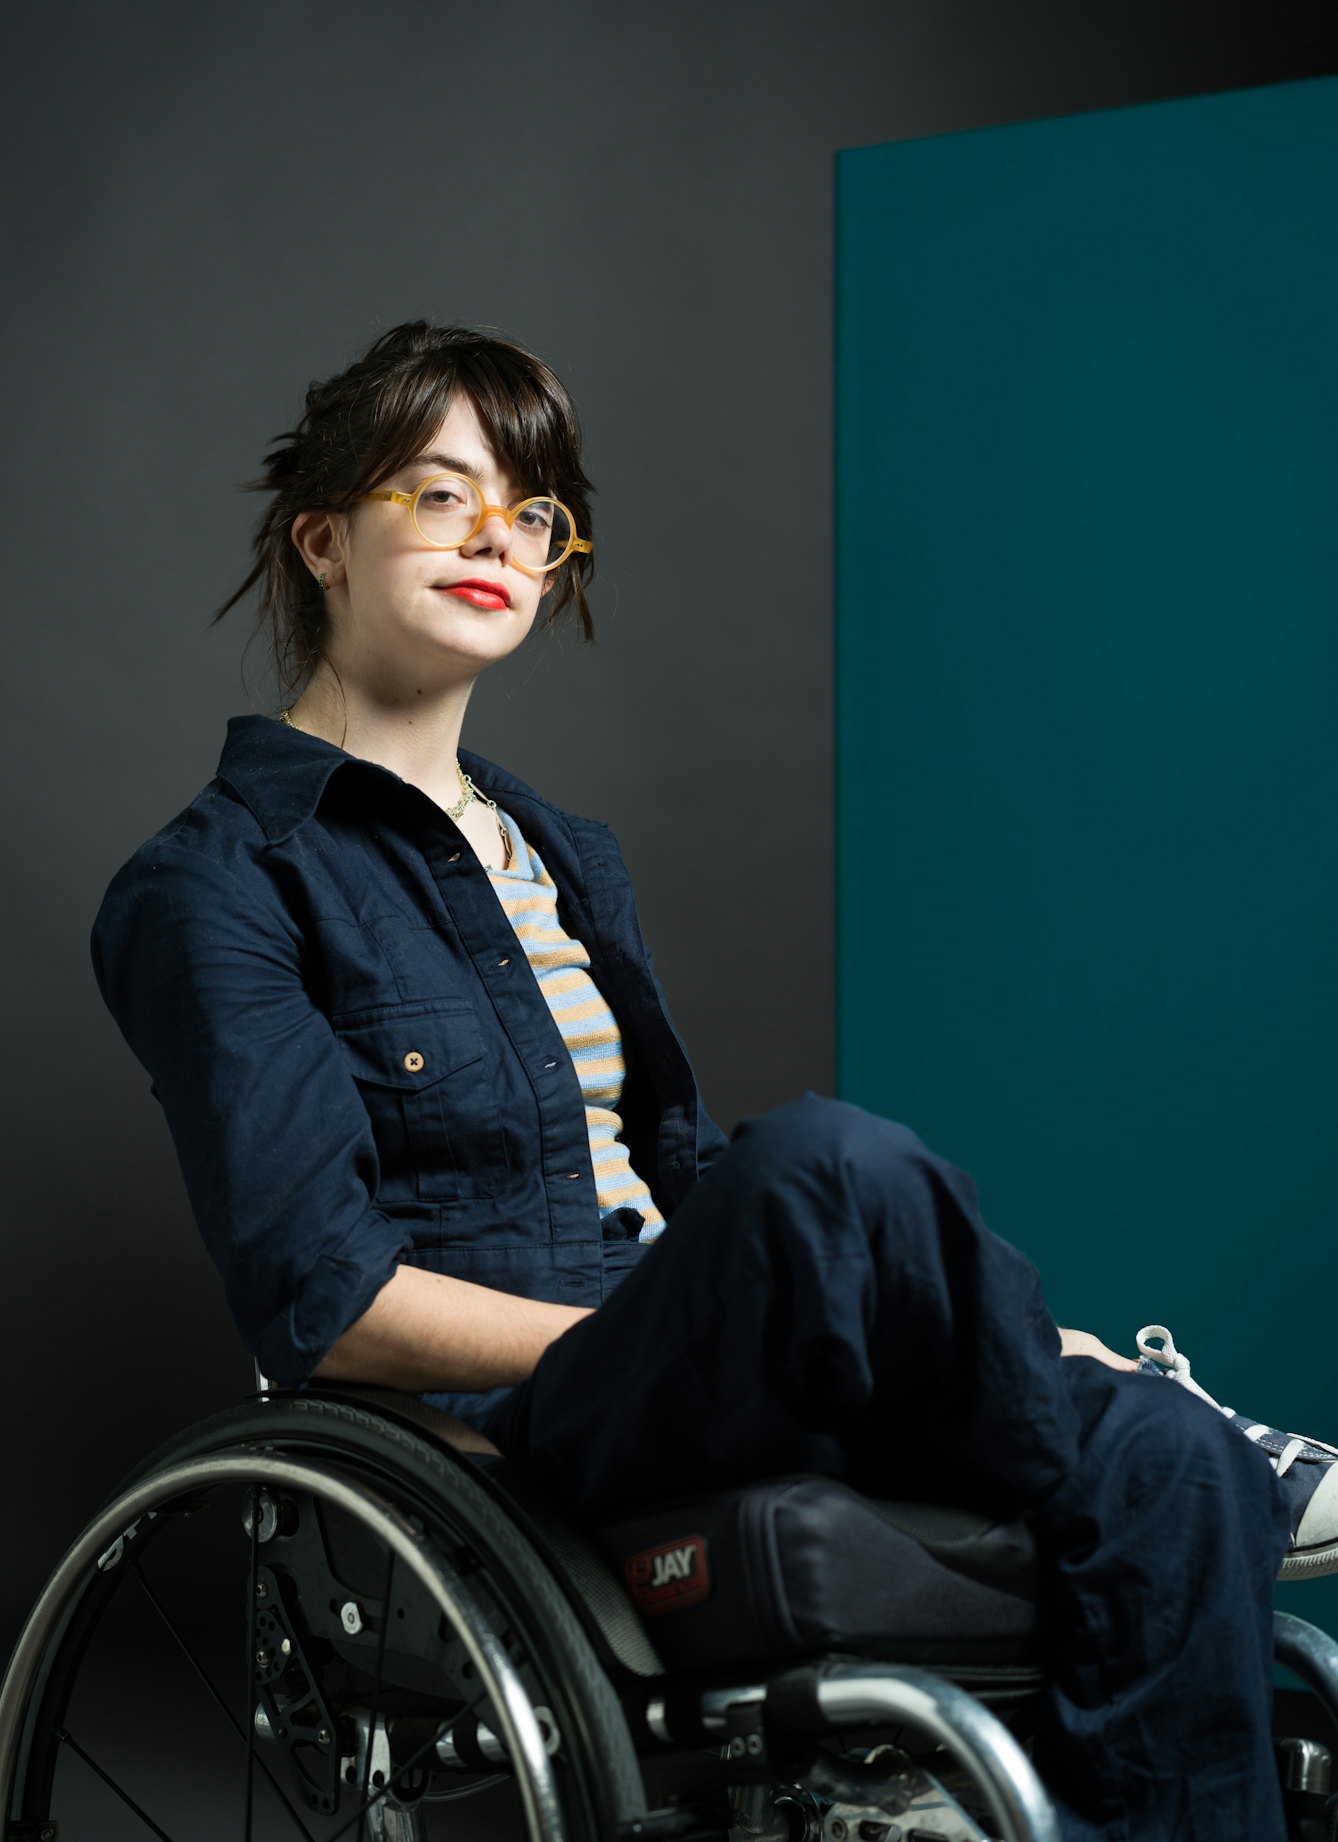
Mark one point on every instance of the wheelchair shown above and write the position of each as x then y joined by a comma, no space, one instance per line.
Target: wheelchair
397,1636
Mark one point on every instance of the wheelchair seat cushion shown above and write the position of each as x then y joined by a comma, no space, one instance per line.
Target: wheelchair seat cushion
803,1564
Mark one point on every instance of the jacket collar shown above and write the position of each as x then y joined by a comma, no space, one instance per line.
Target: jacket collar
281,773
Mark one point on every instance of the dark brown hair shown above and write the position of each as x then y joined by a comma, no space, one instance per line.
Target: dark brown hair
361,427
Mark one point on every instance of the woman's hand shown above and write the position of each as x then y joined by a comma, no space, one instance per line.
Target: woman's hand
1083,1343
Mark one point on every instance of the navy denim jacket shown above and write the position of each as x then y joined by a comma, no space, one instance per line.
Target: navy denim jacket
356,1062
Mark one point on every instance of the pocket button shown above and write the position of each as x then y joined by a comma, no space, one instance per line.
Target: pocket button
413,1061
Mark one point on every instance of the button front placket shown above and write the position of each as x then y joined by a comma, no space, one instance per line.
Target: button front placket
514,992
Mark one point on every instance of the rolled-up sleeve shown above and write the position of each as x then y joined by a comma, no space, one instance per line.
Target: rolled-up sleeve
203,969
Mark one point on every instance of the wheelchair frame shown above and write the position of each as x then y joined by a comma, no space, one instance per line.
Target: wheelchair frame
571,1701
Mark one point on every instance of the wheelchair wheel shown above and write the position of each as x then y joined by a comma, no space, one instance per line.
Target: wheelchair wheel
304,1617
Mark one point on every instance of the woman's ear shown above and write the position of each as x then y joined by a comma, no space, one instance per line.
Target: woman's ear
319,538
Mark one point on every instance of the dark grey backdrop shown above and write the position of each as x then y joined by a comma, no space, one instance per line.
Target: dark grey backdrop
206,207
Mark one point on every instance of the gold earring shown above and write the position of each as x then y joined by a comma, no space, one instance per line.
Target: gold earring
320,582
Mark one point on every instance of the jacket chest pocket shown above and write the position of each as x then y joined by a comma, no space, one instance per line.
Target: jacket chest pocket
427,1069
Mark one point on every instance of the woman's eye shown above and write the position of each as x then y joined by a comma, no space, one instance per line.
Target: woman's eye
535,518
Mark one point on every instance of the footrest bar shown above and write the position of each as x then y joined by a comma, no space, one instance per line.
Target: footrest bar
1309,1653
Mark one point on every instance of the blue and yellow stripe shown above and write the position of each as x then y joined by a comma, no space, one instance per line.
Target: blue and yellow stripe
561,966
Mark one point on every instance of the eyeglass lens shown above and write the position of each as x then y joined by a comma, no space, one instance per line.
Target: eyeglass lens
447,514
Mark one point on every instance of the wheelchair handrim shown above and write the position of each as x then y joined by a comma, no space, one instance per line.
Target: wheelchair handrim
497,1673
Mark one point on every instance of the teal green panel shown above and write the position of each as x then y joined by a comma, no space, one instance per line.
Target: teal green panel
1087,667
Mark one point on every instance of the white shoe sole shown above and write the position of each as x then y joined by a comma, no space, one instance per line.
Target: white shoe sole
1310,1563
1316,1550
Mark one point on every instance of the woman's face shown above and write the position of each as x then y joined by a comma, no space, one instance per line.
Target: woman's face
404,616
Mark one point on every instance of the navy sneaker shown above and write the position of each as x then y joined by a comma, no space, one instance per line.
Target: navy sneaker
1307,1468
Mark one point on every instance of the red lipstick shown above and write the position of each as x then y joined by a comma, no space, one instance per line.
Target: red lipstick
480,592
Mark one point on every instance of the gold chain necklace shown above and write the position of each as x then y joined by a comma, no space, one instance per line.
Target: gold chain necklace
468,794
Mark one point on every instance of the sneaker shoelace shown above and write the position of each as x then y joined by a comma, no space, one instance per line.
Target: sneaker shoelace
1281,1449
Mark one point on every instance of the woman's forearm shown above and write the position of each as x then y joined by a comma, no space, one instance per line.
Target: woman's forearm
425,1333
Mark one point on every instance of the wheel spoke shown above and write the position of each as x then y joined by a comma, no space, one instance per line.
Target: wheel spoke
69,1740
376,1691
251,1662
465,1790
231,1718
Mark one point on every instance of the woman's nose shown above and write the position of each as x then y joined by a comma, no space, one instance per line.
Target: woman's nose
493,538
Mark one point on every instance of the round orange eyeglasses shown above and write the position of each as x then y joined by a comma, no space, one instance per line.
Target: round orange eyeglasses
449,508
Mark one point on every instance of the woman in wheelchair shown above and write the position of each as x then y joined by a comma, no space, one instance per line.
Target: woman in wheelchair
722,1416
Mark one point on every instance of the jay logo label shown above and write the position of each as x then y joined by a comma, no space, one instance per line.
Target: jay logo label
668,1578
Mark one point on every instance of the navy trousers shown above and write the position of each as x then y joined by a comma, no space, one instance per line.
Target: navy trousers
829,1299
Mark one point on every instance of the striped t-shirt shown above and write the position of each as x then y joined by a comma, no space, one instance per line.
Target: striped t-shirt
561,965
